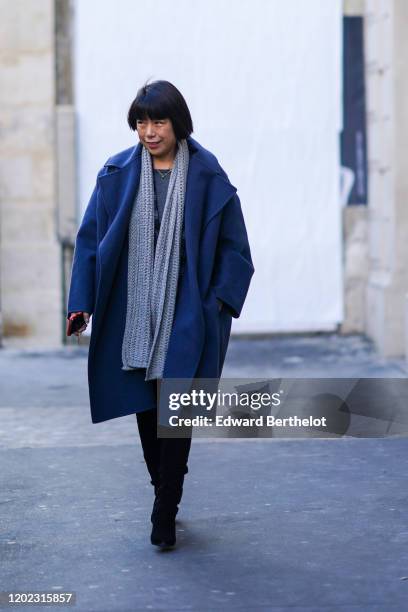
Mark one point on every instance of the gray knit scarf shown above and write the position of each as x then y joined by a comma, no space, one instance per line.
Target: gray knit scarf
153,276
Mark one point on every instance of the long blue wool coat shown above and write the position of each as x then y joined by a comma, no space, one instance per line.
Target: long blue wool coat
218,264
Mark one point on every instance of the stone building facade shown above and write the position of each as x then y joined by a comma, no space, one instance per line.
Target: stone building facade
37,182
375,236
39,208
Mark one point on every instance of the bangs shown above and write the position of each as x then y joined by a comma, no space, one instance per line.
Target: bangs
152,107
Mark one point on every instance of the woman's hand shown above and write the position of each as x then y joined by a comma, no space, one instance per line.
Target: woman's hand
86,316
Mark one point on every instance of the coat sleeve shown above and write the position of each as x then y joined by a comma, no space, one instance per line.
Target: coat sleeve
233,267
82,286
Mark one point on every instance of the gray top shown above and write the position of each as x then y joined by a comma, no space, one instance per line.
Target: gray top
160,192
160,188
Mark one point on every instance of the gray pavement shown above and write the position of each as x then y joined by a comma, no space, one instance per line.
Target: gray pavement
264,524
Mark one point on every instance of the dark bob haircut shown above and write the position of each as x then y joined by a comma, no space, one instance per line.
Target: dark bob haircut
161,100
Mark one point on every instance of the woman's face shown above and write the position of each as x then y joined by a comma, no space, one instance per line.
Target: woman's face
157,135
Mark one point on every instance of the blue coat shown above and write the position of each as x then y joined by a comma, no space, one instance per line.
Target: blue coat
218,264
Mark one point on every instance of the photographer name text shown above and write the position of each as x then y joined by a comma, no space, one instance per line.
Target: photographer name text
259,421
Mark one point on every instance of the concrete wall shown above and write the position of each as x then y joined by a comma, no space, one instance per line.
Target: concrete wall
387,93
30,257
375,237
353,7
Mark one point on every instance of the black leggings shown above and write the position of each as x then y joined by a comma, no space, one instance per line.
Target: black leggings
166,458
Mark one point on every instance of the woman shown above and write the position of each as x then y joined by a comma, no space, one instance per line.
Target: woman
162,262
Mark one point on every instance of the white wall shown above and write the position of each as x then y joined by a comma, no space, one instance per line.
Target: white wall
262,79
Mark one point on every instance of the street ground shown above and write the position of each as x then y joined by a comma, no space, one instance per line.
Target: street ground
265,524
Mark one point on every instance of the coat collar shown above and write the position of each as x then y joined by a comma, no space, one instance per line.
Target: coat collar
121,175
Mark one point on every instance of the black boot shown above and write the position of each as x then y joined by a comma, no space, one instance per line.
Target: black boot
165,509
172,468
164,531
